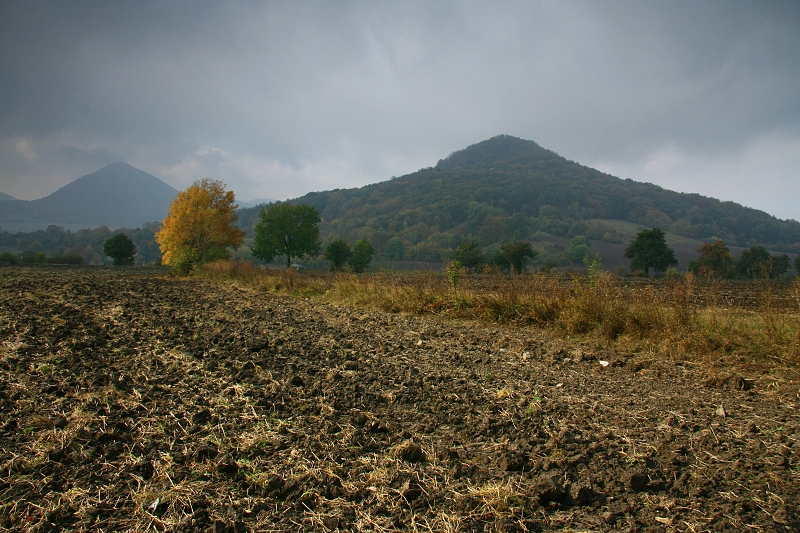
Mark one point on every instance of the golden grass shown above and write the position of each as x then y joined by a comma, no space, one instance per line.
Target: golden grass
688,318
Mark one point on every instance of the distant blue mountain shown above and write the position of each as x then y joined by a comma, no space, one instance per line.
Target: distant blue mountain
254,202
6,197
117,195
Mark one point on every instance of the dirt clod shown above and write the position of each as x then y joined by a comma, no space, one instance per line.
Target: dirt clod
411,452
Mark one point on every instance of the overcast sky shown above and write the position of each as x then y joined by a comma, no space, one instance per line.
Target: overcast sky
281,98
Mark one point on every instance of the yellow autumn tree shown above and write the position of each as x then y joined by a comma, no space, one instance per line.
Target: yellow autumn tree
200,226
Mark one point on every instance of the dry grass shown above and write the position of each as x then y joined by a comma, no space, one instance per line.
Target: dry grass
688,318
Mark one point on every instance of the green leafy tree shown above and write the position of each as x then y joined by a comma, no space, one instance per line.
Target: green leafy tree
715,259
517,253
120,248
578,253
549,265
578,249
755,262
780,265
362,255
287,230
649,250
499,261
338,253
469,256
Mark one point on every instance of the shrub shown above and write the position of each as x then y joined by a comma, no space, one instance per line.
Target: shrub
7,258
28,256
183,261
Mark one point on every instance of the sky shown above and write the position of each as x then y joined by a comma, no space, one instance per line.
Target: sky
278,99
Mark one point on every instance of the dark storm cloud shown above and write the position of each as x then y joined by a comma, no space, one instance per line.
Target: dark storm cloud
278,99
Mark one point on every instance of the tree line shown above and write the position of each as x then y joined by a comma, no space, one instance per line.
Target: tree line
202,226
58,245
756,262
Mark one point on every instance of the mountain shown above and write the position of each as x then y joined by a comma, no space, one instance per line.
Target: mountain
6,197
117,195
254,202
506,188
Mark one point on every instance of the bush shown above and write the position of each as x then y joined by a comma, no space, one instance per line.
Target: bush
28,256
7,258
183,262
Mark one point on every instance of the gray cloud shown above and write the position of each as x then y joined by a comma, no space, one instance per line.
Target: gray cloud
279,99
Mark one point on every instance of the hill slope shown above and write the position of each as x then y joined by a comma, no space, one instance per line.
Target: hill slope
6,197
507,188
116,195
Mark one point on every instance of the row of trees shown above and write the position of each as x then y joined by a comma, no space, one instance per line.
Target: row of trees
200,228
120,248
649,250
338,253
756,262
511,256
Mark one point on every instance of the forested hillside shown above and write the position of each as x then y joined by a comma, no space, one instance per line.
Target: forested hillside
506,188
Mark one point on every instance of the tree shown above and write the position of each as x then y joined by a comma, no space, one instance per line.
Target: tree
362,255
796,264
780,265
578,249
513,256
120,248
468,255
715,258
287,230
338,252
649,250
755,262
498,261
200,226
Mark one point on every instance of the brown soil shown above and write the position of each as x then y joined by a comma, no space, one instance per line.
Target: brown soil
129,401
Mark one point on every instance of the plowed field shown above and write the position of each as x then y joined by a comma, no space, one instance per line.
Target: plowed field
131,401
